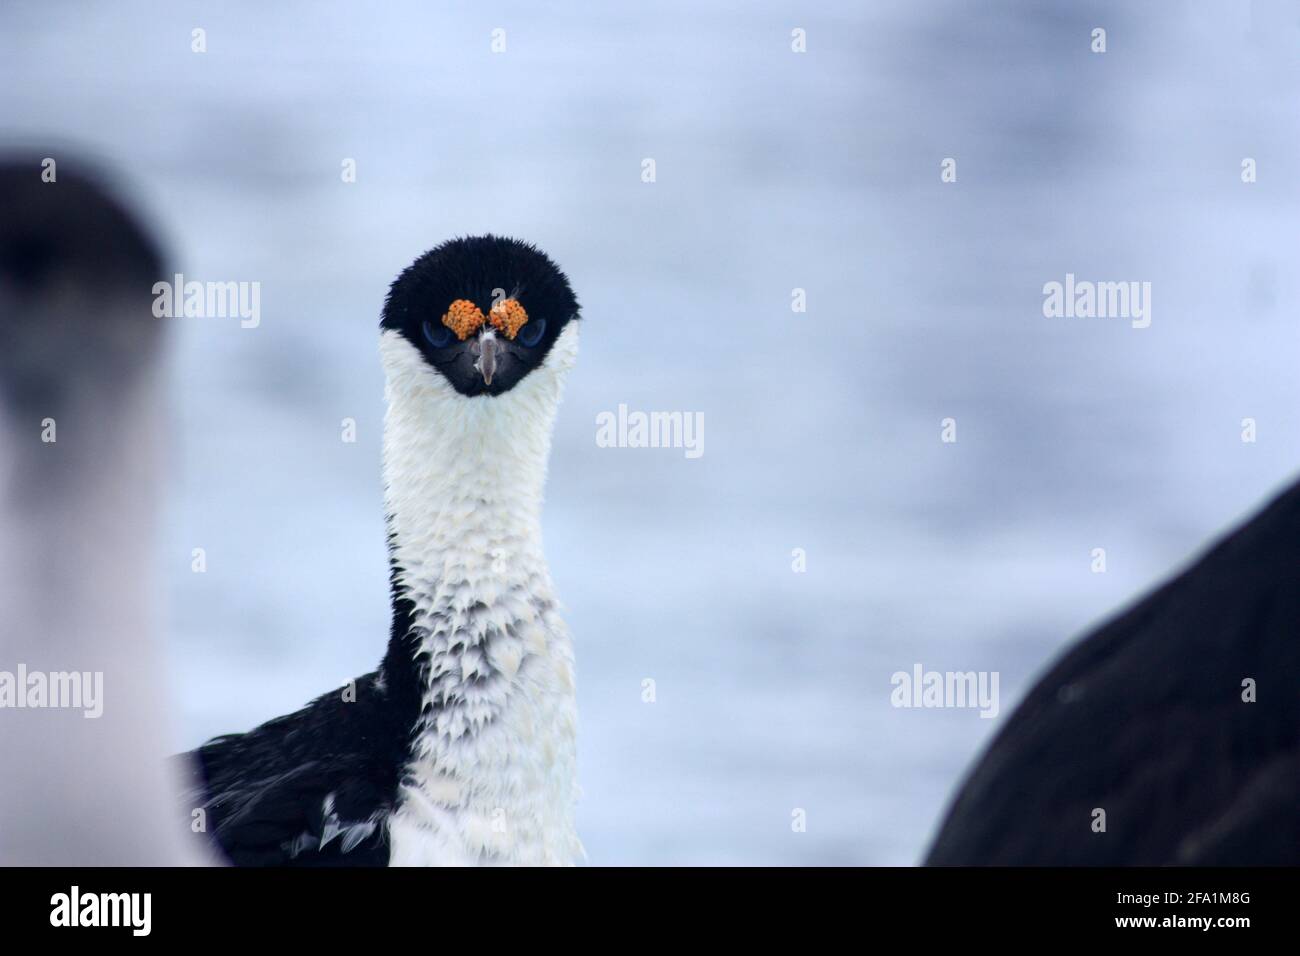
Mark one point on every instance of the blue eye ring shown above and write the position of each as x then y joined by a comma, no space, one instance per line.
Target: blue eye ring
531,332
439,336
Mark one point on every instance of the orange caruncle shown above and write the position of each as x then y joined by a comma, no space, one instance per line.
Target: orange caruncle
465,318
508,317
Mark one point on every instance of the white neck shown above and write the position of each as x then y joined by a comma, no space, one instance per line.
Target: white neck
493,773
454,464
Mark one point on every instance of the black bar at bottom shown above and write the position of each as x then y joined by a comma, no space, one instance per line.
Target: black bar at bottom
330,906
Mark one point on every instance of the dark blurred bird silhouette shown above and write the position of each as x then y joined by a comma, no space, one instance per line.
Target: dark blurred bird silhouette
1170,735
82,702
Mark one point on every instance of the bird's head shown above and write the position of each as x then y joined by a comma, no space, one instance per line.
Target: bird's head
483,312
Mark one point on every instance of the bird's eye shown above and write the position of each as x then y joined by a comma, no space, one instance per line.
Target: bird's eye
439,335
531,332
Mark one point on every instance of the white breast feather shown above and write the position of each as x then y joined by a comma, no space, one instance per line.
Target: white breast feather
494,778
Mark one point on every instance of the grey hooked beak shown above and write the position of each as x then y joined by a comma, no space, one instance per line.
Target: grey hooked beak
487,357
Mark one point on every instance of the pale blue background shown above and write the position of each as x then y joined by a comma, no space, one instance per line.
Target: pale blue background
775,171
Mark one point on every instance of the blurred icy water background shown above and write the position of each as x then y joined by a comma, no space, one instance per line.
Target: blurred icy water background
775,171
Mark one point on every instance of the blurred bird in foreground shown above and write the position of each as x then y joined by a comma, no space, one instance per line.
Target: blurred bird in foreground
1169,736
82,715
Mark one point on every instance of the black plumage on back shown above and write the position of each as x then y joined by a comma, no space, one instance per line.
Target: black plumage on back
1145,719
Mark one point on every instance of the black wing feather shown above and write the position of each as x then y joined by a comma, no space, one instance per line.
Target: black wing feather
313,788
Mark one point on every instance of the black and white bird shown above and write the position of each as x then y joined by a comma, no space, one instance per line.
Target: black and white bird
460,747
1170,736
